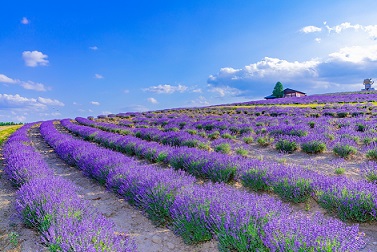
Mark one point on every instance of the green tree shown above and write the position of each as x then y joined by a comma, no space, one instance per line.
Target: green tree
278,90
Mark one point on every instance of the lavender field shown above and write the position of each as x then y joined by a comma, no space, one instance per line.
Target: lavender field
290,174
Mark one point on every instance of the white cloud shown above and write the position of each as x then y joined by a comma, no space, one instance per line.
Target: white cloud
35,58
355,54
126,91
98,76
370,30
30,85
198,90
94,48
51,102
17,101
152,100
201,101
95,103
341,70
349,56
6,79
310,29
54,114
268,68
25,21
344,26
19,105
20,118
275,66
166,89
135,108
224,91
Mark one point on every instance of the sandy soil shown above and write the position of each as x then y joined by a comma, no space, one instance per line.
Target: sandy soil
127,219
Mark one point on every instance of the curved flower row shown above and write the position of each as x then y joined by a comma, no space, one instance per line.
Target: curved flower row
356,133
350,199
239,220
51,205
343,137
217,167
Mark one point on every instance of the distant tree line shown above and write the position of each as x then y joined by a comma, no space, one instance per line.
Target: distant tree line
9,123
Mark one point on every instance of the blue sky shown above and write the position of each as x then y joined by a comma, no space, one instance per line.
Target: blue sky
81,58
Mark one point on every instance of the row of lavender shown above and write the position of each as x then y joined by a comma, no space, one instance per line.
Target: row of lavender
287,132
350,199
346,139
239,220
51,205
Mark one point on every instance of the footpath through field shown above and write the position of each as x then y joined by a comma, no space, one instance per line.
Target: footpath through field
148,238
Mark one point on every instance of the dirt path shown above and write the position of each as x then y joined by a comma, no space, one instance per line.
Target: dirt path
14,236
126,218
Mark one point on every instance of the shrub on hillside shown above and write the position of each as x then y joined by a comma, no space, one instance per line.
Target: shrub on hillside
192,131
369,171
286,146
313,147
347,204
214,135
227,136
223,148
265,141
242,152
248,140
360,127
372,154
296,191
256,180
342,114
344,151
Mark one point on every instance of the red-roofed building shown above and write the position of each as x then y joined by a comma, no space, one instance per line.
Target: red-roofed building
293,93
